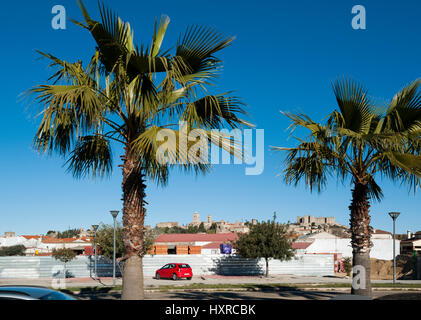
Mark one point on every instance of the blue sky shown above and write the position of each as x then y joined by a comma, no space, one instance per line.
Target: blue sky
285,55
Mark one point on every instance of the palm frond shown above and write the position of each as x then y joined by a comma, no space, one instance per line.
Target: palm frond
158,35
355,106
91,157
196,48
86,106
404,113
212,112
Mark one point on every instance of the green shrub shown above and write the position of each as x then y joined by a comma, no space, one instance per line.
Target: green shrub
348,265
18,250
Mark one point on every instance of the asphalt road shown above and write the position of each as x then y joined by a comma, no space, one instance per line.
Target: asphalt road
151,282
278,294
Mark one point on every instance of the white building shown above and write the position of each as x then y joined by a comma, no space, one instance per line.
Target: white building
327,243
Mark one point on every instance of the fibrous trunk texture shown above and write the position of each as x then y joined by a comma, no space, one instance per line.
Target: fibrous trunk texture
133,223
360,240
267,268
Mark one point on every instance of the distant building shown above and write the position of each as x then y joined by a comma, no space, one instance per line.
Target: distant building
167,224
318,235
43,245
221,226
311,220
9,234
381,234
324,242
196,219
412,244
209,243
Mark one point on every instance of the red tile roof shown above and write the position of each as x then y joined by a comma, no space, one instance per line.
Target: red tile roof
212,245
31,237
300,245
194,237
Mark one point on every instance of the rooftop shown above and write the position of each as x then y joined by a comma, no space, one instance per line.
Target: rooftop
300,245
378,231
212,245
192,237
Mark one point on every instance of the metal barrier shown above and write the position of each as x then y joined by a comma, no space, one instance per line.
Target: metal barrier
83,266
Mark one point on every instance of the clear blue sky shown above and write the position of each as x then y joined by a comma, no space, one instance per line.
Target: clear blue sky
284,58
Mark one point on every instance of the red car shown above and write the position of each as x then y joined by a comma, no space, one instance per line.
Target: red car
174,271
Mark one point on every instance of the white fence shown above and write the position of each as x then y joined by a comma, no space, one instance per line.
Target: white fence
83,266
382,248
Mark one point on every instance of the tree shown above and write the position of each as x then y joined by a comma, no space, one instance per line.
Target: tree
138,97
51,233
65,255
212,228
18,250
105,240
192,229
348,266
359,142
201,228
70,233
266,239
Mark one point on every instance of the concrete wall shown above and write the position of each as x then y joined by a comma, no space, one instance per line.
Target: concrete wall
382,248
82,266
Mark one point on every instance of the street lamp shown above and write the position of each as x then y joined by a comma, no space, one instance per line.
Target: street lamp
394,216
114,213
95,228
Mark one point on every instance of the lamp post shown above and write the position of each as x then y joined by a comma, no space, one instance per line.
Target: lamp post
394,216
114,213
95,228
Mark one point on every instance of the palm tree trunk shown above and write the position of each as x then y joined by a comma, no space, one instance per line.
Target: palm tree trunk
267,267
133,227
360,240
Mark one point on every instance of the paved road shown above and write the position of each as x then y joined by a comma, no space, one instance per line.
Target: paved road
281,294
150,282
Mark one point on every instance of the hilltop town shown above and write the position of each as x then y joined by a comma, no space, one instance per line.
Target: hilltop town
309,234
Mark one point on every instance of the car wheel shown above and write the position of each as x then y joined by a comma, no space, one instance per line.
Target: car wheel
189,278
174,276
157,276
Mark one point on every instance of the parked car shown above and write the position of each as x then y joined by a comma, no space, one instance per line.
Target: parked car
31,293
174,271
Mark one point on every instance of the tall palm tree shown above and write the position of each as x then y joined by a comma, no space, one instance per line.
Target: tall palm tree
360,141
132,95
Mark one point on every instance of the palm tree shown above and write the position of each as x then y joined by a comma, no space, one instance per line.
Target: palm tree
131,95
360,142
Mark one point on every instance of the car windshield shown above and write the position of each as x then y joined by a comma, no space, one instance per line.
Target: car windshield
56,296
182,266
